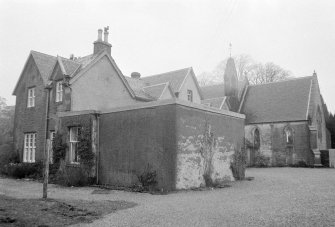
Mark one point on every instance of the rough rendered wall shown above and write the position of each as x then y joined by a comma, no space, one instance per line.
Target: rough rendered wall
206,142
131,140
189,84
100,88
273,143
30,120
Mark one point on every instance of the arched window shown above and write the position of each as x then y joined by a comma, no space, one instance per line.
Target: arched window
288,135
257,139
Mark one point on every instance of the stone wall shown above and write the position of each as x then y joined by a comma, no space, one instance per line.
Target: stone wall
273,144
206,142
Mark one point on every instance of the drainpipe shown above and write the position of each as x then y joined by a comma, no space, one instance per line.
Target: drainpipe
97,117
46,156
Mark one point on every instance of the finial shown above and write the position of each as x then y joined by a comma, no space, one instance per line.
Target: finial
230,49
314,73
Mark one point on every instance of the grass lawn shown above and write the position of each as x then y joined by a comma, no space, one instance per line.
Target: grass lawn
50,212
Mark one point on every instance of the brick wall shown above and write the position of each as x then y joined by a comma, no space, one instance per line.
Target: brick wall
30,119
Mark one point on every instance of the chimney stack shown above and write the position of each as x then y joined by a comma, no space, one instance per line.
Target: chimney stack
100,45
99,34
135,75
106,34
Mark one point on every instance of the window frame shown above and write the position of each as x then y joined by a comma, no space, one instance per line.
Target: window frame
31,97
29,148
73,144
59,91
189,95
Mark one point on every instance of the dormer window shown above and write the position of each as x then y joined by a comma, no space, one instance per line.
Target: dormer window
31,97
190,95
59,91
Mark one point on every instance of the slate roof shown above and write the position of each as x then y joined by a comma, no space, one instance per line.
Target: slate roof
155,91
175,78
45,64
137,86
214,102
278,101
213,91
70,66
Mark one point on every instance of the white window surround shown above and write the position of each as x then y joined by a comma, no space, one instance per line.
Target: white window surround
73,154
59,91
190,95
31,97
29,147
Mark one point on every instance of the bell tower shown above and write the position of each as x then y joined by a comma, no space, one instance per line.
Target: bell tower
230,77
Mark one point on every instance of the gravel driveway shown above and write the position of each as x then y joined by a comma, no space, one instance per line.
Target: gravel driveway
276,197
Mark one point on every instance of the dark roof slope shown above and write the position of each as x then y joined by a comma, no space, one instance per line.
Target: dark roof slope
213,91
155,90
70,66
45,64
175,78
278,101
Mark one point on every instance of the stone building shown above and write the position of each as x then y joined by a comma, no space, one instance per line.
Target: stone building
132,121
285,122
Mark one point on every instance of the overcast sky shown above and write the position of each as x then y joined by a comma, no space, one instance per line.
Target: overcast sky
152,36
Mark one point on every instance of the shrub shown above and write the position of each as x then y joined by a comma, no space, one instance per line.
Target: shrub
22,170
71,175
302,164
239,164
59,148
261,160
148,178
7,155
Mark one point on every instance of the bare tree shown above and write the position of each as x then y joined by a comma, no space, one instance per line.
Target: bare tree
269,72
257,73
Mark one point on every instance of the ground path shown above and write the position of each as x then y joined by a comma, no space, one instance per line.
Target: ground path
276,197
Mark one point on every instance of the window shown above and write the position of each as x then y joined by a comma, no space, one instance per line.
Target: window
257,139
190,95
74,139
31,97
52,137
59,91
288,135
29,147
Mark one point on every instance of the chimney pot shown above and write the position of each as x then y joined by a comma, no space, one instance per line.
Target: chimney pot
71,56
106,34
135,75
99,34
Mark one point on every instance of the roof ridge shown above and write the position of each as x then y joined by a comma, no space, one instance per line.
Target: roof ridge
160,74
212,85
220,97
274,82
37,52
155,85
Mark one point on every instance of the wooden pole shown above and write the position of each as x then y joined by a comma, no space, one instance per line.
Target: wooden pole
46,170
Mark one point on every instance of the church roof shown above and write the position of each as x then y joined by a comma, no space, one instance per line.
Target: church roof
213,91
278,101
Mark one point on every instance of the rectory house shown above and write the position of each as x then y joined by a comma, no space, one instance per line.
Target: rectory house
183,131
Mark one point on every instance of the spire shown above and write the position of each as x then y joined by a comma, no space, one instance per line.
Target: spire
230,78
230,46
